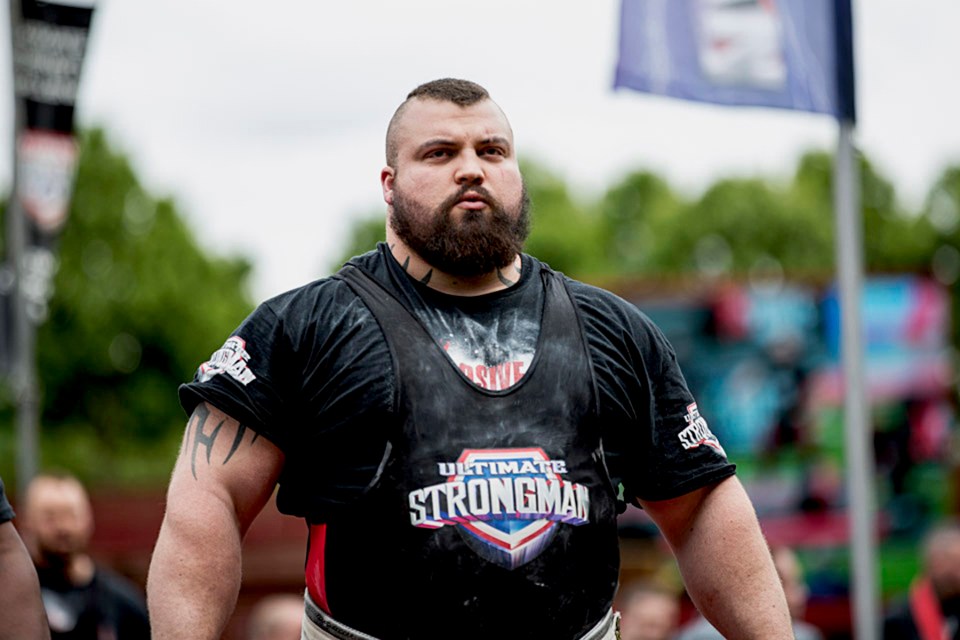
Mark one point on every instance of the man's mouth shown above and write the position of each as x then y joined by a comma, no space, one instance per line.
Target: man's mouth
472,201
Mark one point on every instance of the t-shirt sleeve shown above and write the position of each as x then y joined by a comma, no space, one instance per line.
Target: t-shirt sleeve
657,441
682,453
292,370
245,378
6,511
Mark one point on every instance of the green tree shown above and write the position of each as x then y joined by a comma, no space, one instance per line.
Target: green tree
893,239
941,212
740,226
137,305
366,232
564,232
632,213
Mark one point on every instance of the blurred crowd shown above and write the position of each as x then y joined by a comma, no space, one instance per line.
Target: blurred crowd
651,609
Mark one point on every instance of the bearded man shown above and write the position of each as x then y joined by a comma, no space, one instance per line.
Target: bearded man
454,421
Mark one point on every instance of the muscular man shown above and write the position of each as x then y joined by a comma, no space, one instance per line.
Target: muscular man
20,602
453,420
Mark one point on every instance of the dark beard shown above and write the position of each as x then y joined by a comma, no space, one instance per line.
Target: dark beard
479,243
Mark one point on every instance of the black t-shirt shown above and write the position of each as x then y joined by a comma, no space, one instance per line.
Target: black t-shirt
108,607
305,364
6,511
312,371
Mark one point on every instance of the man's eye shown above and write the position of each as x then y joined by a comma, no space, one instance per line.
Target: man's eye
439,153
493,151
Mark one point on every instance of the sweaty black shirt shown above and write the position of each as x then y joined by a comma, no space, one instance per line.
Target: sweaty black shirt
312,371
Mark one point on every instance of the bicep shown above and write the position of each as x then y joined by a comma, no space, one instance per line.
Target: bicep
715,505
724,560
224,461
674,516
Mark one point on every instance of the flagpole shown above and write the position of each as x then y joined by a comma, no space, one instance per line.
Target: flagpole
857,426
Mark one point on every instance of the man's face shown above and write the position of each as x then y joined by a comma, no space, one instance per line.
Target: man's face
455,194
650,616
59,517
943,565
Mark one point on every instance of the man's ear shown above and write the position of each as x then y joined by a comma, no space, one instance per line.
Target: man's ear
387,176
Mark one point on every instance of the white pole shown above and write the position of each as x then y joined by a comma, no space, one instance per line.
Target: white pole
858,430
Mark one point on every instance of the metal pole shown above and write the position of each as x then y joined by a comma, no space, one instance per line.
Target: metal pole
22,334
858,429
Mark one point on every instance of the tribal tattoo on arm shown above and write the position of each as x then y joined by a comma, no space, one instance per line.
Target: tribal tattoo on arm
206,439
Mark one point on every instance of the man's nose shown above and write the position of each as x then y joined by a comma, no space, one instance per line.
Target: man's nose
469,170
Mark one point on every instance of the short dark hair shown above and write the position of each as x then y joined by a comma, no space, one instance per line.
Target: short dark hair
460,92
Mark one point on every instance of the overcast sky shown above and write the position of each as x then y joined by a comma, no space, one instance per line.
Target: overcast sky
265,121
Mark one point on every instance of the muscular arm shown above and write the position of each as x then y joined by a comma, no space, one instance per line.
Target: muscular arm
23,615
725,561
222,478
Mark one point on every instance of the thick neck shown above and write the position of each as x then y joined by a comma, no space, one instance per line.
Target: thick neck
418,269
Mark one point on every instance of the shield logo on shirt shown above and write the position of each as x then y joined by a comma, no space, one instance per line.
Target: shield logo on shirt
505,503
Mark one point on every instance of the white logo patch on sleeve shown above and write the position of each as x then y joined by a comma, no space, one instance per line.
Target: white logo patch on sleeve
231,359
698,433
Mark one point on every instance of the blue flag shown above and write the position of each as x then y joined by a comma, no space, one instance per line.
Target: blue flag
788,54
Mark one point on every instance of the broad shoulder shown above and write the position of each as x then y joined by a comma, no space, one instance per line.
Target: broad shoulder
326,299
608,309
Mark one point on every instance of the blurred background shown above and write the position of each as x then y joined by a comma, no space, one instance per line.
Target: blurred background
226,155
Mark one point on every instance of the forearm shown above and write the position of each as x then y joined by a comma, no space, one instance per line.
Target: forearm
223,477
194,575
23,614
727,568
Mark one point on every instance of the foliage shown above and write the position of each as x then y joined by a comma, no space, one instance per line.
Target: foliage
137,305
364,236
564,232
941,214
632,213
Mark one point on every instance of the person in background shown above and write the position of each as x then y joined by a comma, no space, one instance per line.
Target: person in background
931,610
794,586
648,611
83,601
22,616
276,617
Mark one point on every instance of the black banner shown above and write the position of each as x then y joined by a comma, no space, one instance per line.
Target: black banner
49,44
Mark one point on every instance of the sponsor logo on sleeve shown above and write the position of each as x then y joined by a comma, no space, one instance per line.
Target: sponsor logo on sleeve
230,359
697,432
